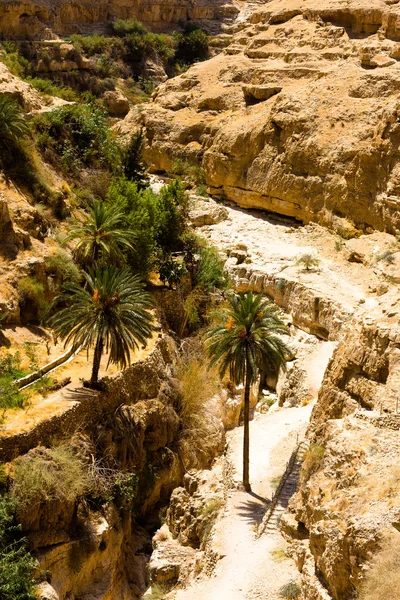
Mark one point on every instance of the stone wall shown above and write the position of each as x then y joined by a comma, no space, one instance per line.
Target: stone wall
85,408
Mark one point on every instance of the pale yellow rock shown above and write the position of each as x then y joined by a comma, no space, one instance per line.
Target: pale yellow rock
298,116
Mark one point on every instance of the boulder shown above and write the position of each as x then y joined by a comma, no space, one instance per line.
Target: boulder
116,103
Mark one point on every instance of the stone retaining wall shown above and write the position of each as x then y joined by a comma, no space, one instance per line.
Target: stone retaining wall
140,381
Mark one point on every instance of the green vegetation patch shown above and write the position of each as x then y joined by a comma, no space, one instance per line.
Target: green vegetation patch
17,566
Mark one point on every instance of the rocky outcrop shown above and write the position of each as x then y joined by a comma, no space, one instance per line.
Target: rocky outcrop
349,486
93,546
33,19
182,546
298,116
20,91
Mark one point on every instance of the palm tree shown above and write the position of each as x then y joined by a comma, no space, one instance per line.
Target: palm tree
102,236
111,313
244,342
13,126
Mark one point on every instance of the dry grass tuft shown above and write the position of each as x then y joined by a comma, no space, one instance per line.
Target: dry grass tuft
382,485
382,581
198,410
48,474
312,462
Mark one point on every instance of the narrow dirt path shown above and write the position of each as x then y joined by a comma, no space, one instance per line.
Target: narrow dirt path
253,568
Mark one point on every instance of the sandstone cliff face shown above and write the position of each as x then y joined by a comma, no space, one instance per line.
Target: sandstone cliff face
349,492
298,116
43,18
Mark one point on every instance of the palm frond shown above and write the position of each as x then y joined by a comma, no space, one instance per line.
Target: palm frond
245,338
113,307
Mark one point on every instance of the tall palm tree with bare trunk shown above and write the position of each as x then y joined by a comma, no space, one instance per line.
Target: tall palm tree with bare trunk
111,313
244,342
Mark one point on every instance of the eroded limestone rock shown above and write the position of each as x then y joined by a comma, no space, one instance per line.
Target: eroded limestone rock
299,115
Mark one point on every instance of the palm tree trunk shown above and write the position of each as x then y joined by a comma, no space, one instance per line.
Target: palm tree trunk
246,433
98,351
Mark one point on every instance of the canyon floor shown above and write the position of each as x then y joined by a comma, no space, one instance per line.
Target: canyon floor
252,568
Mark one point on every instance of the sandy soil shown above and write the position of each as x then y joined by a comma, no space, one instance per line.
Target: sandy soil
252,568
40,408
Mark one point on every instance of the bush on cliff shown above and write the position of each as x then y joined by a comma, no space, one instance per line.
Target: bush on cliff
16,564
48,474
74,137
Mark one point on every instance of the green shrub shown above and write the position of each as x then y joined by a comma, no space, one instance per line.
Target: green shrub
96,44
48,474
61,266
171,271
191,171
18,65
17,566
75,136
10,396
171,216
191,46
132,160
210,270
32,297
126,27
45,86
157,220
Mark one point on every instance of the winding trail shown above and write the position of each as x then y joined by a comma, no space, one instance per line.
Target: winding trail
249,569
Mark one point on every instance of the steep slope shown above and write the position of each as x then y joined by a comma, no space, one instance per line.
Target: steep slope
42,18
298,115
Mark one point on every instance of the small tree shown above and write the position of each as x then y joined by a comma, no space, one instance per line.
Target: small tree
244,342
308,261
112,313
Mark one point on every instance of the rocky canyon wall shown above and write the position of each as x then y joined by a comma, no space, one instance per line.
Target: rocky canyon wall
43,18
97,545
349,486
299,114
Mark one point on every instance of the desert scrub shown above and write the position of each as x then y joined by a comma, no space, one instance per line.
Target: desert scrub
48,474
308,261
17,566
73,137
312,462
382,580
212,508
290,591
194,405
386,257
